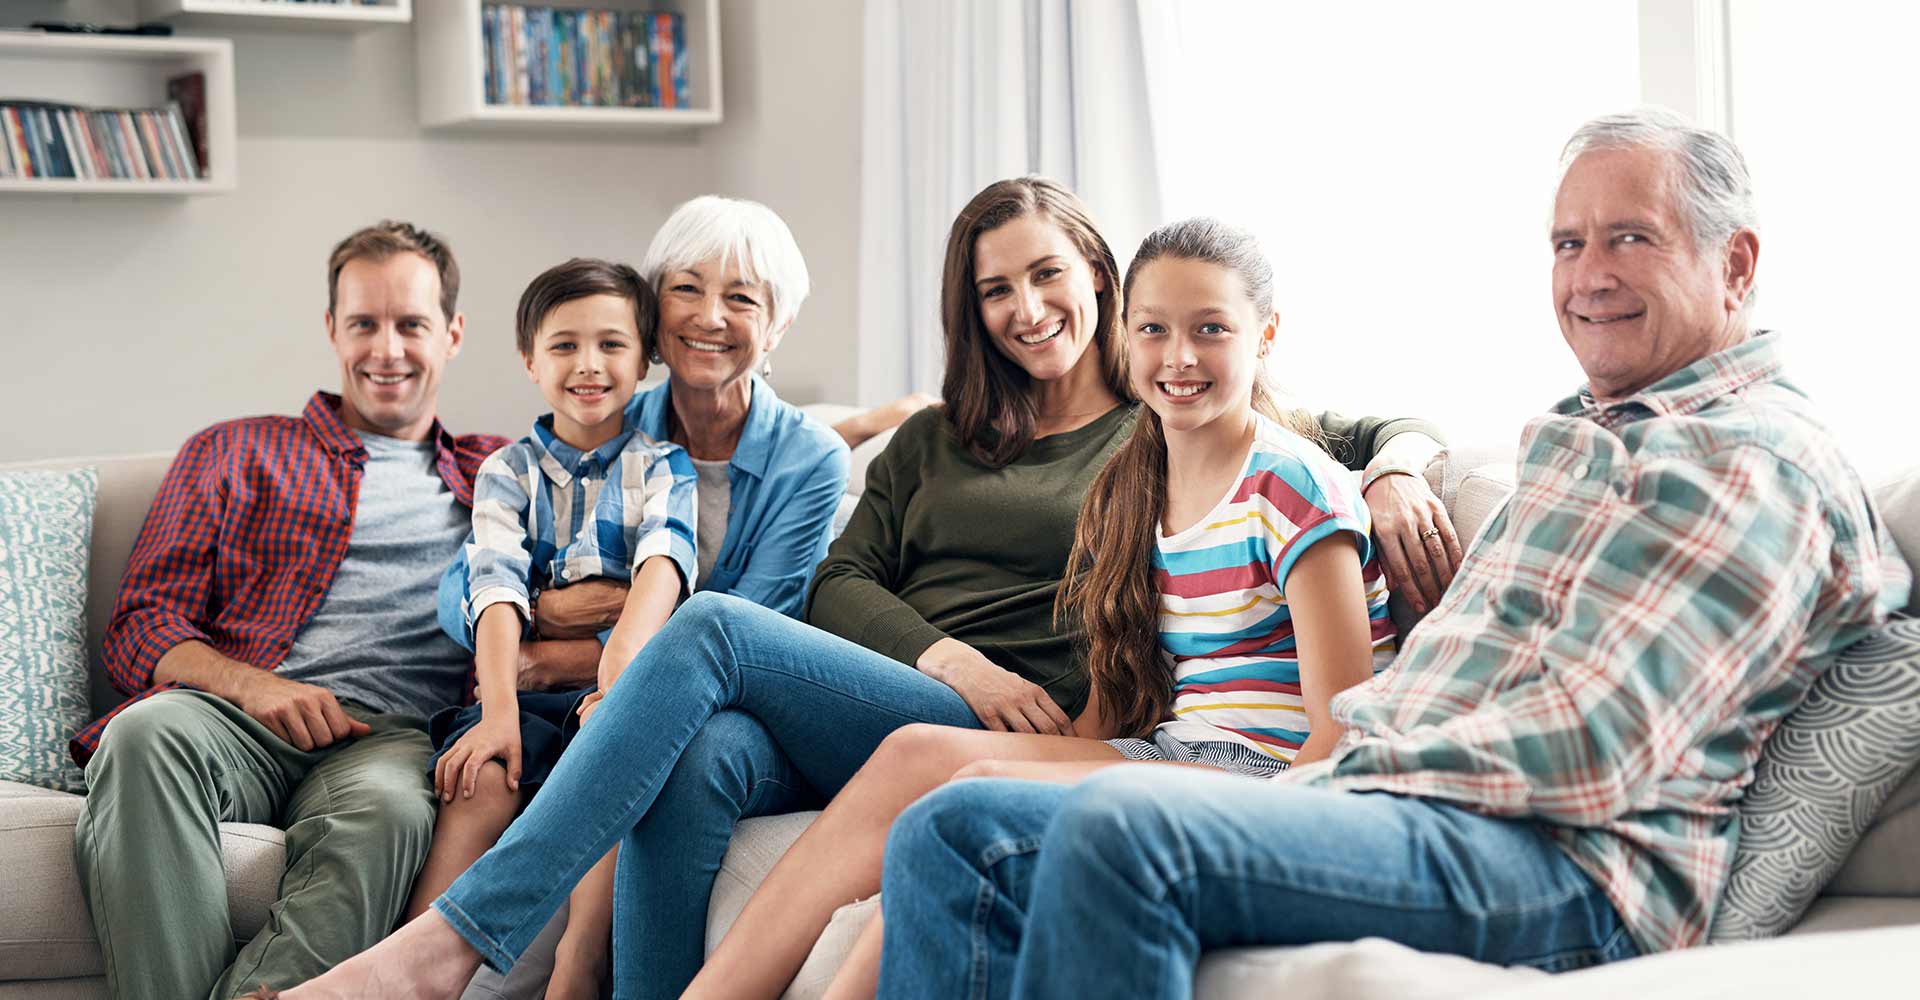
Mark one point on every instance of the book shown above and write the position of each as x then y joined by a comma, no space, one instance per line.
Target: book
569,57
189,94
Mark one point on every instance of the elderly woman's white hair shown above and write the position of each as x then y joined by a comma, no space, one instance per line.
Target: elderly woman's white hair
710,228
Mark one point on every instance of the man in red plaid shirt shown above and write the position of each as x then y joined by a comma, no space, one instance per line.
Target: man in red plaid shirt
276,631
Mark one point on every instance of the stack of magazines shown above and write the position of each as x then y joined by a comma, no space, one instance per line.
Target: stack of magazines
585,58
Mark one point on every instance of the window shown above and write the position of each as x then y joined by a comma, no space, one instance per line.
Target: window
1399,166
1822,98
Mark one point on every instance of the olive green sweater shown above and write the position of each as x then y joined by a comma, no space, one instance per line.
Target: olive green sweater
941,546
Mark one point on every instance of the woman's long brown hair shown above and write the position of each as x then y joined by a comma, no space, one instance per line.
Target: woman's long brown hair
1111,587
989,399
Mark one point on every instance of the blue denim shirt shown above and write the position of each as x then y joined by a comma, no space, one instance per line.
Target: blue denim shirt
787,476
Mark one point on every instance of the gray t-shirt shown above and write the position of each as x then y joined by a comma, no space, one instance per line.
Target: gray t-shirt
710,525
375,639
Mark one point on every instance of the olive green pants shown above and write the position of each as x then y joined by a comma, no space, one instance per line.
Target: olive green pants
358,817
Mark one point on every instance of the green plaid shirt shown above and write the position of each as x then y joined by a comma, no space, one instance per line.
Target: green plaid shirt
1672,572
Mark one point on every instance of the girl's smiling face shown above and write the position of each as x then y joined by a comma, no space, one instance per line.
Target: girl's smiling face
1195,341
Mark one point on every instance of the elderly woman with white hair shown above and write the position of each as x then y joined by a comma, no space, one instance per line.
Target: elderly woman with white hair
729,279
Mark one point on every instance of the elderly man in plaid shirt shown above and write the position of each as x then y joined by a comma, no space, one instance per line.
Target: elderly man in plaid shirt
1547,774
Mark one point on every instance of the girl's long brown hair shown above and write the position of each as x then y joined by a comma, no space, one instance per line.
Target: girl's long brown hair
989,399
1110,587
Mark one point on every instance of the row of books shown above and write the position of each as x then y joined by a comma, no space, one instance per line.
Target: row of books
61,140
585,58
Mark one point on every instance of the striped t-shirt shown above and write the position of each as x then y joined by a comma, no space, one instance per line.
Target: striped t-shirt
1223,613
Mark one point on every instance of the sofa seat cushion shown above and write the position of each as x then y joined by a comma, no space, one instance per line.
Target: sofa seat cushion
1863,963
1368,969
45,932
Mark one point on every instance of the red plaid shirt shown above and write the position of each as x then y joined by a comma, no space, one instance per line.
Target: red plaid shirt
241,544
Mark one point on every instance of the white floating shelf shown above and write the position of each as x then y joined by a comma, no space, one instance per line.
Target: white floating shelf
238,15
123,71
450,45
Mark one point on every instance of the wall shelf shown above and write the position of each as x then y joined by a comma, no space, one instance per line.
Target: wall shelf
123,71
450,44
238,15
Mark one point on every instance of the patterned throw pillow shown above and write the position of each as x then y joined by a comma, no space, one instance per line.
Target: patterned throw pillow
46,522
1821,778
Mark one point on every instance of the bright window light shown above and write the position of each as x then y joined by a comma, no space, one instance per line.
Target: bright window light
1823,98
1398,161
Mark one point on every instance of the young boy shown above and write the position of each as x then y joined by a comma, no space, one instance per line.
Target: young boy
583,496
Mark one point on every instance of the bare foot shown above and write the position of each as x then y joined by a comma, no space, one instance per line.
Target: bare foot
423,960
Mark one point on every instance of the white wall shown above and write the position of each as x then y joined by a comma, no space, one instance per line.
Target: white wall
130,322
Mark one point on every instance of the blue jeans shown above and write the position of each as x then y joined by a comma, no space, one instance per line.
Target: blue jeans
729,710
1114,887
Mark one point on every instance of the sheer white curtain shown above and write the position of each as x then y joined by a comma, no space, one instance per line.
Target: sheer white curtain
961,93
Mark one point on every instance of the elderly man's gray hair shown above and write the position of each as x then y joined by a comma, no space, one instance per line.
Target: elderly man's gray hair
1715,191
712,228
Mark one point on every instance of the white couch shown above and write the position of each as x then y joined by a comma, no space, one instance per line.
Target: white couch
47,948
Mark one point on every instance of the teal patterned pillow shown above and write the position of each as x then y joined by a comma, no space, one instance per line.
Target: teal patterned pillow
46,522
1822,777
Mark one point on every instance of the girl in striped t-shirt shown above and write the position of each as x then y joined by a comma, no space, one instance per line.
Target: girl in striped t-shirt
1221,568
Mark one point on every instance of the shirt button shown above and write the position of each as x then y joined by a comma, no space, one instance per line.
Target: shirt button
1580,471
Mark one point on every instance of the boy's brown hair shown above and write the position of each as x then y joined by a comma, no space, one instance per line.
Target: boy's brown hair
386,238
577,279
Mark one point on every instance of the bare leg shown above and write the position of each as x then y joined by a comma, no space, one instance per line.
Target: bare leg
465,829
838,859
425,960
582,960
859,976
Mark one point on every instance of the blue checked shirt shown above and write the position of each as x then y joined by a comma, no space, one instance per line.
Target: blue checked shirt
1671,574
546,514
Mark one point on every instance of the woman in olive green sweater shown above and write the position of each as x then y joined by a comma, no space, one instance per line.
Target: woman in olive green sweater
954,556
934,606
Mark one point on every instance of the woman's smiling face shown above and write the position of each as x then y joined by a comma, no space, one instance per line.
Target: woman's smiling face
716,323
1037,295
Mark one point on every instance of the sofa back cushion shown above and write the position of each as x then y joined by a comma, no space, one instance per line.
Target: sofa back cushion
46,518
1822,777
1899,504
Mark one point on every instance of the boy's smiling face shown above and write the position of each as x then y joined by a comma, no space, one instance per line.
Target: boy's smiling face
587,362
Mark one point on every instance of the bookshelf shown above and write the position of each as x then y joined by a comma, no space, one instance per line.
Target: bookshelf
449,43
116,71
235,15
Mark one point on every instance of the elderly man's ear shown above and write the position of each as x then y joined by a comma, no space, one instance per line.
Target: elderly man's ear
1743,258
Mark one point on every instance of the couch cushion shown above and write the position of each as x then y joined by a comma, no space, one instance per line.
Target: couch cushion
44,929
126,489
1821,778
1832,913
1368,969
1886,862
1871,963
46,519
1899,504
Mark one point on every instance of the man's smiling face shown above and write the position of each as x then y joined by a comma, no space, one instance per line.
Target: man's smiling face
1636,300
393,343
